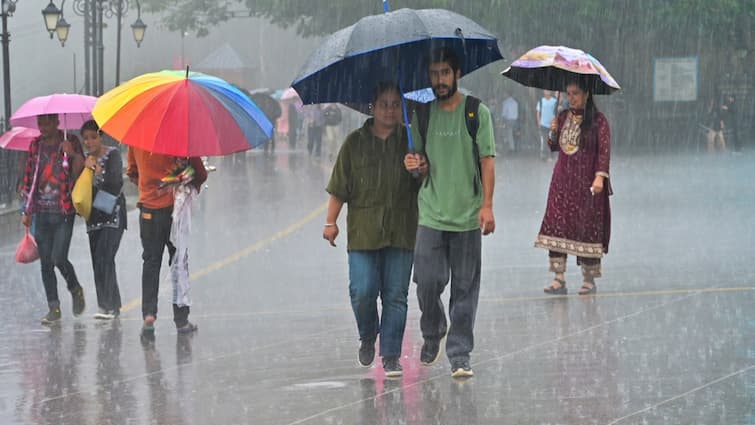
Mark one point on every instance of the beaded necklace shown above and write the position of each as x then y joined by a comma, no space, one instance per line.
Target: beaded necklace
570,134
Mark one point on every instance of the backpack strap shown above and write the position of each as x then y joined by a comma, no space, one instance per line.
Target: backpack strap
471,115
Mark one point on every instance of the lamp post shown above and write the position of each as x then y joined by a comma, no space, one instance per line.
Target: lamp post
8,7
94,12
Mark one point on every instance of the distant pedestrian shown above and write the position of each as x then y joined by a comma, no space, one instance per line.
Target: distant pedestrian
105,228
577,216
382,225
546,110
510,117
52,167
315,126
454,134
714,134
293,126
729,123
156,201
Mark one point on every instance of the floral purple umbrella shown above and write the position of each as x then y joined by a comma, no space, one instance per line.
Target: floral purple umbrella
552,67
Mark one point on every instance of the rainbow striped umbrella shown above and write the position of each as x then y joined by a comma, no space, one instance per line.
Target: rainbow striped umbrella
182,113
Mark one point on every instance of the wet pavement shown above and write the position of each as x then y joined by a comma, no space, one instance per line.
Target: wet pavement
669,339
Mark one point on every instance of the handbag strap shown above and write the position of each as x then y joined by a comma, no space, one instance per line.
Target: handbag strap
33,188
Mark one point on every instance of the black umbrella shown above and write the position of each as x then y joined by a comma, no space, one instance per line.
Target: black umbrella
390,47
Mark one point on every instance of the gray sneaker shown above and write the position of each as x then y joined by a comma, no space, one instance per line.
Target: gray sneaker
366,353
52,316
430,352
77,294
392,367
461,369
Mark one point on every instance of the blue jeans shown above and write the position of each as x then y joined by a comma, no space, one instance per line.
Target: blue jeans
384,272
53,235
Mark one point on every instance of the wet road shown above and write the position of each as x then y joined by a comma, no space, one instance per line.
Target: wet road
669,339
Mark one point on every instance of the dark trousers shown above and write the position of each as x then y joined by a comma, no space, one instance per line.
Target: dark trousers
103,245
154,229
438,256
53,235
314,140
292,135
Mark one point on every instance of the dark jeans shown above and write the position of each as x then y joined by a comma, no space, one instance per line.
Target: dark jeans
292,135
314,140
439,255
383,272
154,229
53,235
103,245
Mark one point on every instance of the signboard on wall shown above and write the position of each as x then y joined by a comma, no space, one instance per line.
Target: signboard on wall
675,79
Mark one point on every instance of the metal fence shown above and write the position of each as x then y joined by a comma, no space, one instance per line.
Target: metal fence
9,174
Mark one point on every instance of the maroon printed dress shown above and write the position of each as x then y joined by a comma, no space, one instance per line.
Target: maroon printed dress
576,222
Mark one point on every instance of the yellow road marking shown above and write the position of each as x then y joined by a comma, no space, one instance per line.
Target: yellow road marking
623,294
217,265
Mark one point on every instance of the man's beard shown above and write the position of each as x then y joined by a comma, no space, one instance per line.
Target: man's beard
450,91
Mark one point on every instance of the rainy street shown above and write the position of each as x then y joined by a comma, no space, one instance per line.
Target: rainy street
668,339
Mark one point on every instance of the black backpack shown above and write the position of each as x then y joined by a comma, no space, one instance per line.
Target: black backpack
471,108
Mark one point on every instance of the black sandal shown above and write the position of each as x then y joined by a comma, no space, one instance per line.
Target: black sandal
586,289
561,290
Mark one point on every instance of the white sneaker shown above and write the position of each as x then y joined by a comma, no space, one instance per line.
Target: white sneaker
104,315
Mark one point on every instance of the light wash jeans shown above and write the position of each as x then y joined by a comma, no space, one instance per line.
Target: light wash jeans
384,272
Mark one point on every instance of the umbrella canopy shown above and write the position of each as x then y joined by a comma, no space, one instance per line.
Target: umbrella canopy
552,67
289,94
73,109
390,47
18,138
183,114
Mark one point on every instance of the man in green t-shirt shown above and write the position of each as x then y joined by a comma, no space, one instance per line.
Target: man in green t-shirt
455,207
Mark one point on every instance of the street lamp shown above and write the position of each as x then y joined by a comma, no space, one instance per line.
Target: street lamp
51,14
62,30
8,7
138,29
94,12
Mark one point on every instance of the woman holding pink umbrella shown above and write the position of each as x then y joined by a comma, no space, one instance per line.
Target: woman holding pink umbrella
55,161
52,167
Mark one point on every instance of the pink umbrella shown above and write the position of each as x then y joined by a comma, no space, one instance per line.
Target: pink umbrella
18,138
73,109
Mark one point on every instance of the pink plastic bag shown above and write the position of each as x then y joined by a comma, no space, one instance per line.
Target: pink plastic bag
27,249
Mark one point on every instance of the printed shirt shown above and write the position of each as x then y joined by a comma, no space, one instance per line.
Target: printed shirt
369,176
451,194
52,190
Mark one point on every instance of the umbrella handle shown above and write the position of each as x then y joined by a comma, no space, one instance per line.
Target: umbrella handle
409,138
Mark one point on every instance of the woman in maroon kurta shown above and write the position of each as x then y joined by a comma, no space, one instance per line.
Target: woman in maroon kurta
578,217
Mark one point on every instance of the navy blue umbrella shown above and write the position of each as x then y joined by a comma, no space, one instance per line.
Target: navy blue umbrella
390,47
